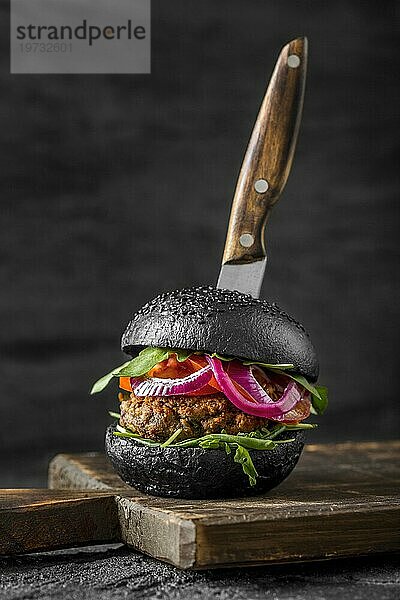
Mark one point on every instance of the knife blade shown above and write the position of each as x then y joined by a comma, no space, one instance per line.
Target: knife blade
264,172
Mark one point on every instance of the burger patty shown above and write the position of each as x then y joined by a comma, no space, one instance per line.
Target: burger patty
158,417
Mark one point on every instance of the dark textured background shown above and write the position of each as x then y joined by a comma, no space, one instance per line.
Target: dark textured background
115,188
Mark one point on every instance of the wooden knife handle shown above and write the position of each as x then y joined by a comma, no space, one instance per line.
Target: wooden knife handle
268,157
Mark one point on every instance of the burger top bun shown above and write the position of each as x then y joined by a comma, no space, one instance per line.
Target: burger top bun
208,319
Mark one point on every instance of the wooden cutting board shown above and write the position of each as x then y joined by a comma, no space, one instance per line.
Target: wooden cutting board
341,500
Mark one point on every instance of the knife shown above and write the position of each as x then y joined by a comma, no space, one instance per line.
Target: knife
264,172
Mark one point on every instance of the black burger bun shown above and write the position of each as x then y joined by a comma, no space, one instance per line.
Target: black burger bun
208,319
195,473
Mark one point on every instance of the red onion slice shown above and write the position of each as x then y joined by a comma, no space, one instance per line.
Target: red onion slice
300,412
157,386
263,405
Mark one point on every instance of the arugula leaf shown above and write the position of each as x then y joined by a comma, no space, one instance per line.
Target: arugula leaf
114,414
137,438
181,355
242,456
227,448
254,443
225,358
281,367
303,381
210,444
319,393
105,380
320,402
276,431
124,430
141,364
172,438
253,362
299,426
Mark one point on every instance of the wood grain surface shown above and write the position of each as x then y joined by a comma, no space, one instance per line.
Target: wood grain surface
341,500
35,519
269,154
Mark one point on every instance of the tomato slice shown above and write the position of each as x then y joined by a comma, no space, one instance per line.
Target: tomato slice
171,368
207,390
125,383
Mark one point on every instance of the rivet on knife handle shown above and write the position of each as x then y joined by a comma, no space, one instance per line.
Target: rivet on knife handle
269,156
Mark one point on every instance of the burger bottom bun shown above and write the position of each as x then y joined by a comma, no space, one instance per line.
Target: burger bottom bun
199,473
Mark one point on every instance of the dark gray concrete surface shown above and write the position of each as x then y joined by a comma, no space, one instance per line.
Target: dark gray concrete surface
115,572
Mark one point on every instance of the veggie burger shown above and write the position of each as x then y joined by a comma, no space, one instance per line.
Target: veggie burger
214,399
